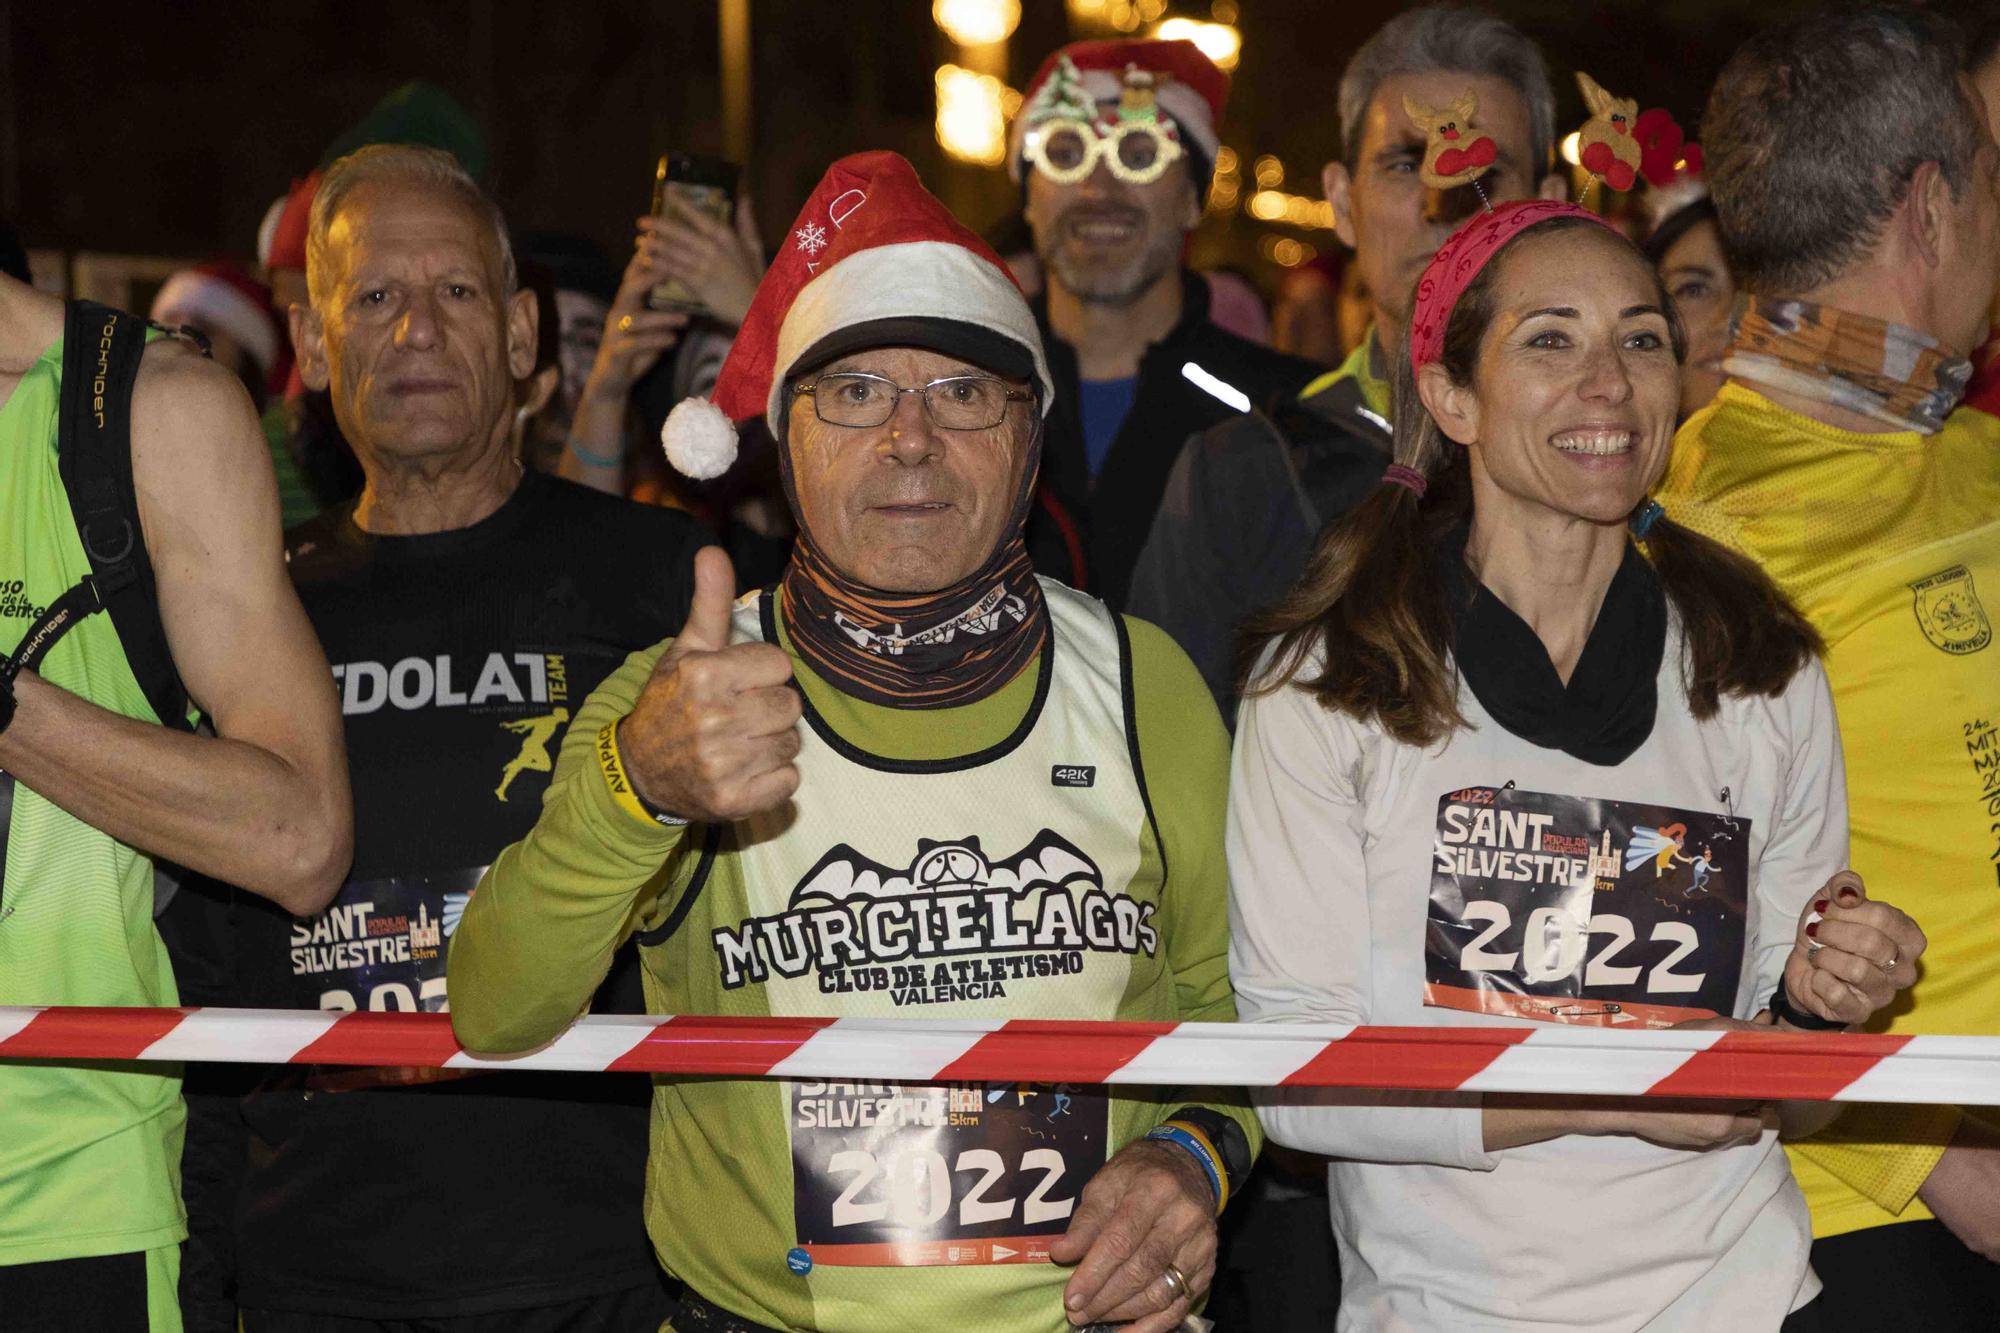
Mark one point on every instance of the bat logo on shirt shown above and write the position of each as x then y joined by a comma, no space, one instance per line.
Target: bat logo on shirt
1049,861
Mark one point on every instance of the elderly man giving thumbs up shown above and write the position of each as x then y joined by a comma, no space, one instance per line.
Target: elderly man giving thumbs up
913,780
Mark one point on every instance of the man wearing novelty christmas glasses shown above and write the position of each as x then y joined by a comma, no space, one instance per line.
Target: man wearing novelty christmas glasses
1114,149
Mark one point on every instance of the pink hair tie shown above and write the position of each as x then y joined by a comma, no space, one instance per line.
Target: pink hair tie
1408,478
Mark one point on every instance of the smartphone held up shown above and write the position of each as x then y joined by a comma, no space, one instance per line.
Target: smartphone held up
690,184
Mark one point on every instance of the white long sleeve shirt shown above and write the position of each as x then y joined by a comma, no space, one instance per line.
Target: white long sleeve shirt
1374,882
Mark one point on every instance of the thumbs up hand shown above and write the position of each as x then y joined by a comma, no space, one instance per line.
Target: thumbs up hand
1853,954
715,730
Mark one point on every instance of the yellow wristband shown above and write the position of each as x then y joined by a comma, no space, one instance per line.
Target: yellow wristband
612,765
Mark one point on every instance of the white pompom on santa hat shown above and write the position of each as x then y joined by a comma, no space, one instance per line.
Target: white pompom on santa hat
873,260
1192,90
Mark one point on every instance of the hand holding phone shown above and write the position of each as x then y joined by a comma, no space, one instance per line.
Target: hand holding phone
711,263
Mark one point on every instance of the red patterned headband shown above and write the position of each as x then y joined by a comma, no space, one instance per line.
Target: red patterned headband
1459,260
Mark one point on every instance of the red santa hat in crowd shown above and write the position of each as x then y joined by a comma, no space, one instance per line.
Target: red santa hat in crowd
219,297
281,241
1191,89
873,260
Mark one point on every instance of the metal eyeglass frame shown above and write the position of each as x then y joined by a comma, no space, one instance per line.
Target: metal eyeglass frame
809,390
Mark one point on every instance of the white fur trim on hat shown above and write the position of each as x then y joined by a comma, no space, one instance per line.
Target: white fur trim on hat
700,440
206,301
934,279
267,231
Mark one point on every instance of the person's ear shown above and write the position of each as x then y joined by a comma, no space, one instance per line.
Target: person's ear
1338,187
309,347
538,388
524,320
1927,212
1454,407
1191,208
1554,187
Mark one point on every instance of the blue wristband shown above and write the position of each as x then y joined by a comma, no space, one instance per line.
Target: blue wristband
587,456
1199,1150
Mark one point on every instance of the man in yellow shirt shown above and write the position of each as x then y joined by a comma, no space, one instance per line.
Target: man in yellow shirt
1838,457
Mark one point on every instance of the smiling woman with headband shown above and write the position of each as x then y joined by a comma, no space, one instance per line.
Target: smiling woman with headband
1496,764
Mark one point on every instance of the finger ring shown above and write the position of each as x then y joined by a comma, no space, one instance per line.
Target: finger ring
1894,957
625,324
1177,1282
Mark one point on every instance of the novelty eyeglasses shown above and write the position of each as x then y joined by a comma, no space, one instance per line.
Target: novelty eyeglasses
1138,152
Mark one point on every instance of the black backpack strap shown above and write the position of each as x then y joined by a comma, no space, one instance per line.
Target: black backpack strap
101,351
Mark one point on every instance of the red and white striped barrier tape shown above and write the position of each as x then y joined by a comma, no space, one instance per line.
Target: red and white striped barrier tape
1542,1058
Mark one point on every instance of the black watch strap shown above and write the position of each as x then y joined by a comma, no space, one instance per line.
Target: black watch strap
1228,1137
1791,1015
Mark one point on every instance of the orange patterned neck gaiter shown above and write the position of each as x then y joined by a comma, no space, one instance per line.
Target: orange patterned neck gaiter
937,649
1886,372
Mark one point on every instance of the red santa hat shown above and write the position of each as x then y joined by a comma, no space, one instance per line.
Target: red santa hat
286,246
219,297
873,260
1192,89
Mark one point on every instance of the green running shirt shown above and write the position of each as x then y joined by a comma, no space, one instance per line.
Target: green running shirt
89,1155
998,860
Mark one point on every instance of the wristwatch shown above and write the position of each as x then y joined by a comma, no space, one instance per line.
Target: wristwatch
1784,1011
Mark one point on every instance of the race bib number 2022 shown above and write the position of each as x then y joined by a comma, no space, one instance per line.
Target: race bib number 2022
888,1175
1575,910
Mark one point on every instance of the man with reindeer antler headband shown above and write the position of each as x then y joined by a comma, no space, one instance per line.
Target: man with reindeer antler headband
1248,497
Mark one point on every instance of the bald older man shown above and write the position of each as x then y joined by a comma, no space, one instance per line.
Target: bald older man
467,608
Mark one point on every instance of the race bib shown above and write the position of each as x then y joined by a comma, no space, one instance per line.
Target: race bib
381,945
893,1175
1572,910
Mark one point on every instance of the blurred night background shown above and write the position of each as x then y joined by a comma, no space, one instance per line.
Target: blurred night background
135,132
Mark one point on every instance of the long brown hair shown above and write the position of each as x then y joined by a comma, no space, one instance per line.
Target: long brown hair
1371,604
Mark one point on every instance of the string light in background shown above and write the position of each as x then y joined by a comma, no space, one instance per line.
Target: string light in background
972,112
1226,191
1220,42
977,22
1285,251
1122,15
1295,210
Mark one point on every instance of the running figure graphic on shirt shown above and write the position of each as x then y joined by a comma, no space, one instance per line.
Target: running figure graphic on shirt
1665,848
1702,865
535,733
1662,846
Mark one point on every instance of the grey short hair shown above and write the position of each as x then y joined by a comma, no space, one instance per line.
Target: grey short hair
1463,41
1814,130
409,164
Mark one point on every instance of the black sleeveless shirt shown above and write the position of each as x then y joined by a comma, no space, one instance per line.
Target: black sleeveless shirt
460,658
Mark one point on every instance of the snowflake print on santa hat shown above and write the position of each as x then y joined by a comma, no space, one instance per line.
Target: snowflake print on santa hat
812,238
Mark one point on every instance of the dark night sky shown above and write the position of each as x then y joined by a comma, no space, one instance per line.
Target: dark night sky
167,129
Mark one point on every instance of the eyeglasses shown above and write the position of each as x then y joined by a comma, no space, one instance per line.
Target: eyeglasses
1066,151
956,402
